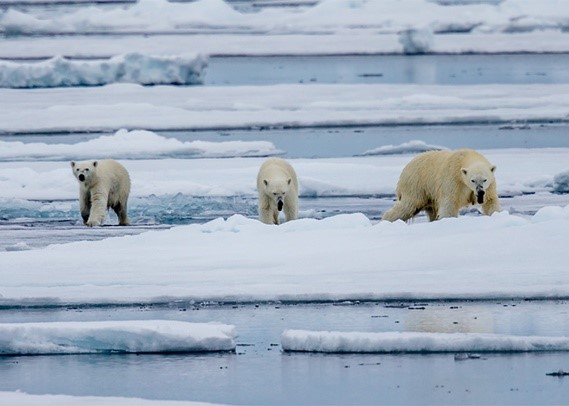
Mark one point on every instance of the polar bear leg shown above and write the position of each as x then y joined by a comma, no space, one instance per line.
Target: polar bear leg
448,209
266,216
120,210
99,202
402,210
291,209
492,204
85,208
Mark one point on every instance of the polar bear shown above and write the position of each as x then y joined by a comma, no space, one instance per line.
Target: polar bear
443,182
278,190
102,184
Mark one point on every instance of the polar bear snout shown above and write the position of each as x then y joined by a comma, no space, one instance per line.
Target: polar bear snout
280,204
81,177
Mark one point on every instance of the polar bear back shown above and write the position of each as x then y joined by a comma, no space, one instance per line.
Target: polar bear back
277,169
113,177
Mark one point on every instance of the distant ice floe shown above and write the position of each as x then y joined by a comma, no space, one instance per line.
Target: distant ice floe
140,336
127,68
415,342
332,16
136,144
411,147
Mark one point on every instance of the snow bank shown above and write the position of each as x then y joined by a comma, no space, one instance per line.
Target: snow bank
25,399
140,144
344,257
395,342
519,172
148,336
200,107
330,16
411,147
128,68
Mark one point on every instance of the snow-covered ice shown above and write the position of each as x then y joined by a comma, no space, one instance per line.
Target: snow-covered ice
416,342
199,107
127,68
26,399
137,144
344,257
414,146
112,337
331,16
519,171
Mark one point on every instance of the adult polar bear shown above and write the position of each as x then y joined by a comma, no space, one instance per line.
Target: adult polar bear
278,190
443,182
102,184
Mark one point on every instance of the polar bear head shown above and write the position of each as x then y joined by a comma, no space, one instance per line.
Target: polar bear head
84,171
277,189
478,178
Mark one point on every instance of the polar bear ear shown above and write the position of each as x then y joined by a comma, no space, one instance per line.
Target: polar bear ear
73,164
265,182
493,168
464,171
289,180
95,163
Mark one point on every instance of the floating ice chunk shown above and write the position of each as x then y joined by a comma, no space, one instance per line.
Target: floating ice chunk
394,342
411,147
128,68
140,336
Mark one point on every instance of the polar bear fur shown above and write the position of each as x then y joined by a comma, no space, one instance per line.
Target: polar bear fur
102,185
278,190
443,182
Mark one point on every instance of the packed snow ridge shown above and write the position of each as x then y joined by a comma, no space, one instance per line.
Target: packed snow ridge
141,336
416,342
136,144
128,68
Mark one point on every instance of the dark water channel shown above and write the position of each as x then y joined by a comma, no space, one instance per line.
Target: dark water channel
260,373
390,69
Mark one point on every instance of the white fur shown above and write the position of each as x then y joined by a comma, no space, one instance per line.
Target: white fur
102,185
276,181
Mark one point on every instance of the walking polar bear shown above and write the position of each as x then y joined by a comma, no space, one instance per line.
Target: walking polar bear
102,184
278,190
443,182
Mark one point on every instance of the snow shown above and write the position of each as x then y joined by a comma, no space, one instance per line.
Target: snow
415,342
25,399
112,337
127,68
328,27
388,16
411,147
111,107
138,144
344,257
519,171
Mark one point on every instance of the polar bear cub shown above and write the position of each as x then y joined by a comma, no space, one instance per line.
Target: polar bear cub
278,191
443,182
102,185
